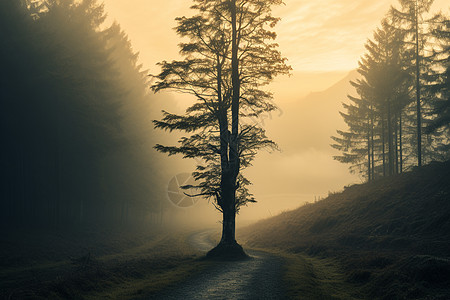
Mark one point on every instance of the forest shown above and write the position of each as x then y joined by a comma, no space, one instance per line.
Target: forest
400,116
75,143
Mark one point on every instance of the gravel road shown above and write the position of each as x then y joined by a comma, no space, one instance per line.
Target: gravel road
259,277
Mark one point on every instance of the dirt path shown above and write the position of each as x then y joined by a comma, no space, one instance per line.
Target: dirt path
256,278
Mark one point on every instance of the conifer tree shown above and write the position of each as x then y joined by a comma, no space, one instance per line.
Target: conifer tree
230,56
404,84
438,86
411,19
63,90
374,118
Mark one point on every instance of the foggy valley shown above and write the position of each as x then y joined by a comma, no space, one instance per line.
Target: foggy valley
225,149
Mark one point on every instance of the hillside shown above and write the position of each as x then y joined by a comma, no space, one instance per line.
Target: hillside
391,236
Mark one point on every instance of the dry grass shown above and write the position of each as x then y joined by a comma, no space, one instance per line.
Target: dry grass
115,266
312,278
380,236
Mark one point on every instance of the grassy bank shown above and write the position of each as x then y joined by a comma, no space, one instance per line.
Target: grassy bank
94,265
387,239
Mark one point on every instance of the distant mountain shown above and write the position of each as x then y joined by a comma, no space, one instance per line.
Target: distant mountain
300,84
310,121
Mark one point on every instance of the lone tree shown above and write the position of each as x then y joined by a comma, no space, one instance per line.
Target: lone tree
228,59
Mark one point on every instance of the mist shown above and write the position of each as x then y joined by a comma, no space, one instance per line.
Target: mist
238,149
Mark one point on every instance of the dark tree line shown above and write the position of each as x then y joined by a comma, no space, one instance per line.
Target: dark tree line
69,139
399,117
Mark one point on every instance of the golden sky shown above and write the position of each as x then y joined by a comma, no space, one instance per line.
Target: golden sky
320,35
323,40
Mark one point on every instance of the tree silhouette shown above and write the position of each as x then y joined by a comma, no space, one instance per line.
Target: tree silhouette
71,139
410,20
438,80
230,56
375,117
400,88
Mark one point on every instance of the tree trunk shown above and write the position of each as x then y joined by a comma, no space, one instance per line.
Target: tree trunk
400,142
228,248
230,204
228,210
57,207
369,177
382,143
228,226
419,113
396,143
371,140
226,199
390,142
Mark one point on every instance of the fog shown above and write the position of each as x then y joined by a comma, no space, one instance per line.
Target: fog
322,54
97,202
303,170
323,48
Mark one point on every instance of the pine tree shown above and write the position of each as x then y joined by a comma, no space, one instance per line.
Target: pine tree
410,19
63,90
230,56
374,118
438,90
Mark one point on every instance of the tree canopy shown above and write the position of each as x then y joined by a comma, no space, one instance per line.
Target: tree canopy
229,57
